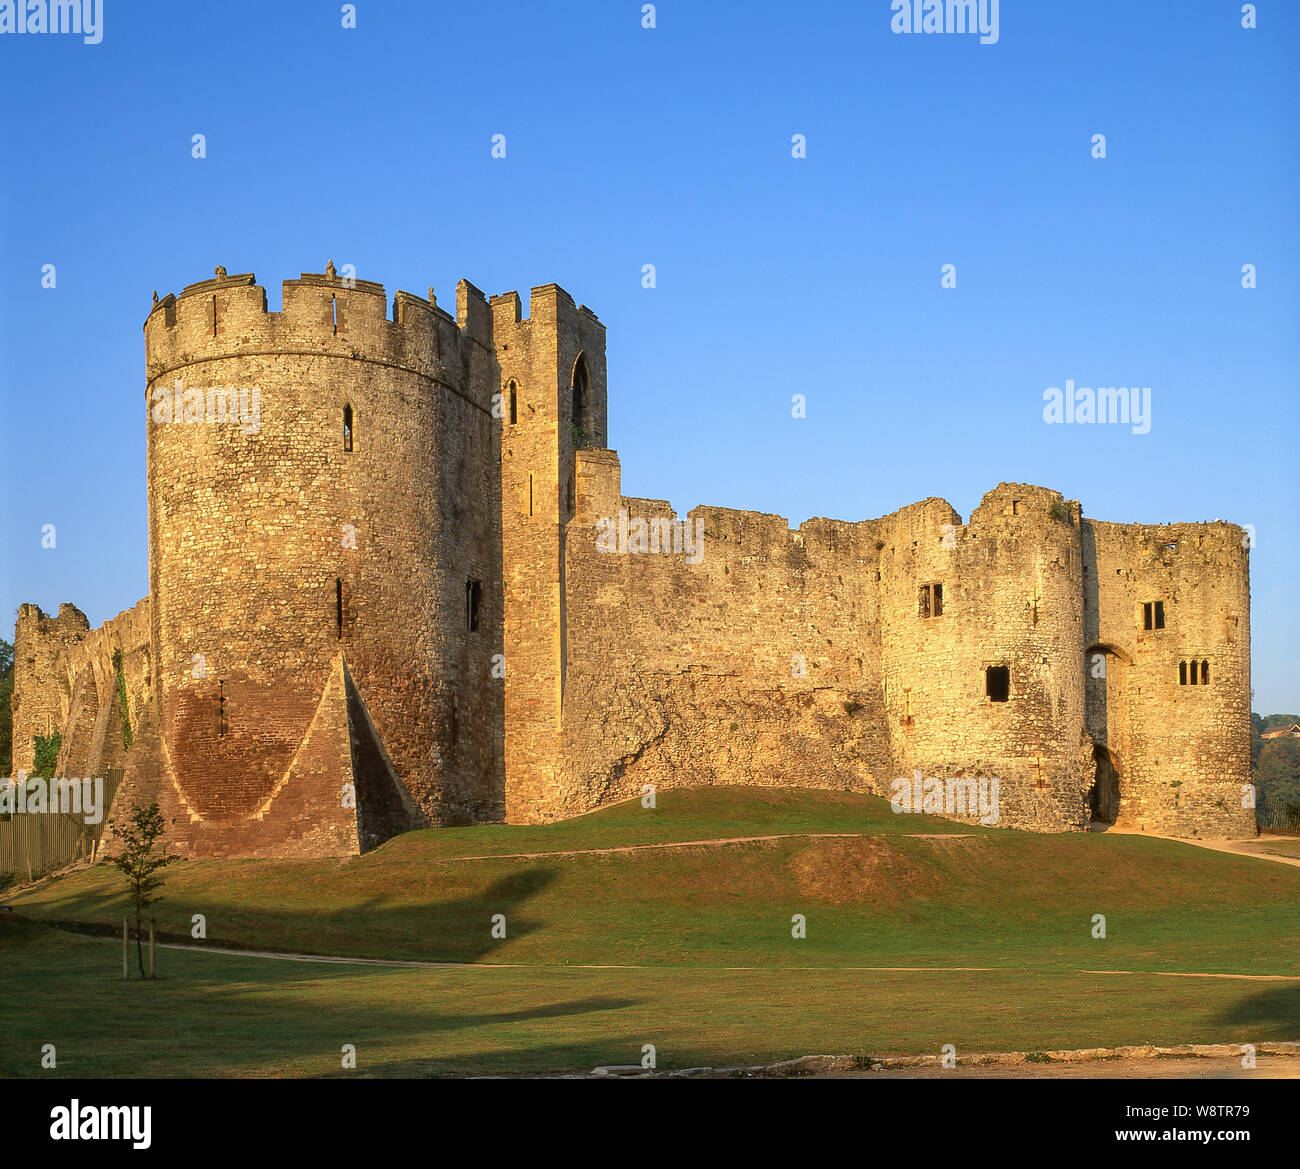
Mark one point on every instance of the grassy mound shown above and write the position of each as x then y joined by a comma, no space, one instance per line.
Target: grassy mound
876,889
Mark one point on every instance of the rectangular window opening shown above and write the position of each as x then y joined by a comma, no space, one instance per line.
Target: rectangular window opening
929,600
997,683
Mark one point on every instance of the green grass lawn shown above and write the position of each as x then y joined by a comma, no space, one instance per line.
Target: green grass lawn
1018,902
218,1015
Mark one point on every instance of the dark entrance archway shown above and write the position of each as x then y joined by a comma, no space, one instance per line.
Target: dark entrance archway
1103,796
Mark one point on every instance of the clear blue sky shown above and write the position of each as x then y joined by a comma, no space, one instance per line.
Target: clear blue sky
776,276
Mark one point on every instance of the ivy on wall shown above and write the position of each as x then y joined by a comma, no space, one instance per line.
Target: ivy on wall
127,735
47,755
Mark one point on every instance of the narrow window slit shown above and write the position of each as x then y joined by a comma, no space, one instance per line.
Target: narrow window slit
473,599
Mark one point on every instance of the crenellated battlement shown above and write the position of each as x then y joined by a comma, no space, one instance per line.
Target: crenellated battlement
547,303
322,314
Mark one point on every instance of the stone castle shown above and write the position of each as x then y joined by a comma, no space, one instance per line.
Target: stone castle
394,582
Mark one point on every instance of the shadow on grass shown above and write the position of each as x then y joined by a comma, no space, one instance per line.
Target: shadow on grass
457,930
221,1015
1278,1006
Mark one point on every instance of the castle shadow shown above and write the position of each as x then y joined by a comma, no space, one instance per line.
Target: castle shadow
1277,1008
457,930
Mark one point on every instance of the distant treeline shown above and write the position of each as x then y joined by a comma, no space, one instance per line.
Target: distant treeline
1275,763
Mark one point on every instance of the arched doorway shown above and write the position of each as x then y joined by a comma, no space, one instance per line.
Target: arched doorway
1103,796
580,414
1107,685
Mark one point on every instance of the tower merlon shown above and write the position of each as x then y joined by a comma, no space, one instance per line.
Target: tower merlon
506,308
473,314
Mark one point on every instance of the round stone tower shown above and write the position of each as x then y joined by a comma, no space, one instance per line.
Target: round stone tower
982,650
321,505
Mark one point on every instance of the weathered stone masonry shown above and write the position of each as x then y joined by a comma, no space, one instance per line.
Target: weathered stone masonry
381,601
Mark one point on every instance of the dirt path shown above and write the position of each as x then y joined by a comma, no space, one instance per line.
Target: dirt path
1252,848
710,843
340,960
1255,846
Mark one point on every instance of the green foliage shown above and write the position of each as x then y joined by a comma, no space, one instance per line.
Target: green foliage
47,754
1275,763
1268,721
139,863
128,736
1058,511
581,439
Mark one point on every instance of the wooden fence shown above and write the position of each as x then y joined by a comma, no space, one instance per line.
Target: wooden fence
35,843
